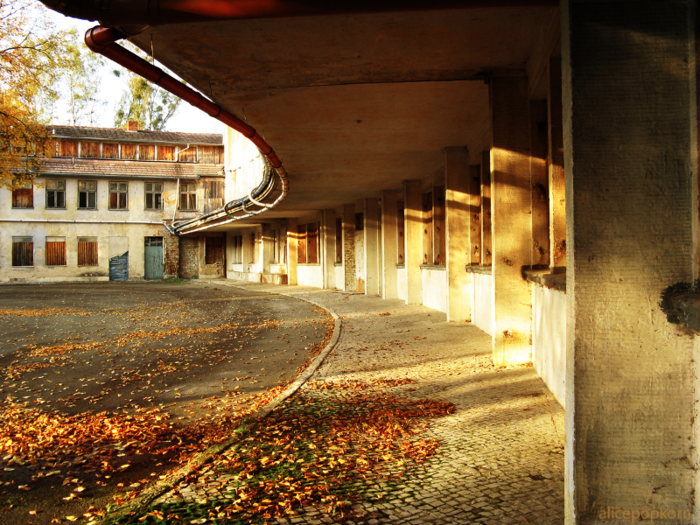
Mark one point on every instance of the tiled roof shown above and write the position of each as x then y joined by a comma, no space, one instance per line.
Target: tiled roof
128,168
114,134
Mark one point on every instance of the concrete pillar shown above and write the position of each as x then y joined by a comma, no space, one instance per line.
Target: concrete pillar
630,140
459,202
372,247
328,248
349,248
267,246
413,231
486,226
539,194
292,245
389,241
557,184
474,214
510,216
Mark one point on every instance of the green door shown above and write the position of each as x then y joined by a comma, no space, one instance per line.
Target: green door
153,253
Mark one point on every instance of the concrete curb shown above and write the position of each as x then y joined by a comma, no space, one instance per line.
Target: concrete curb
163,486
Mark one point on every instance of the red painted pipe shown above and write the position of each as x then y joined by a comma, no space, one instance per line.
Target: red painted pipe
159,12
102,40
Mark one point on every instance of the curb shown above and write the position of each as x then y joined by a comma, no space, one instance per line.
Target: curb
163,486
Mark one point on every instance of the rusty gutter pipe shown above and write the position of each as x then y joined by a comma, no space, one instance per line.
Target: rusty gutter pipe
102,40
159,12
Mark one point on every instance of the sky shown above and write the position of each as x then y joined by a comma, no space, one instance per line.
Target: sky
187,119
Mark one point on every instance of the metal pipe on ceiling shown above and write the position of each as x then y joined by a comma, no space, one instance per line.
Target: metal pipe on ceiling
113,13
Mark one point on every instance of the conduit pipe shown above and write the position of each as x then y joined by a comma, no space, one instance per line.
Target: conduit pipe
160,12
102,40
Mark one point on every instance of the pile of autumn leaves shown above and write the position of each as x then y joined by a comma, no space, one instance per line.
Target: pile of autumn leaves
313,450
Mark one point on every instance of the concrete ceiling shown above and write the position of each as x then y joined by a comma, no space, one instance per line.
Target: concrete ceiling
354,104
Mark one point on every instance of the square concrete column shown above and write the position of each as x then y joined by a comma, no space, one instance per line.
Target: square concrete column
539,183
413,232
372,247
511,220
389,240
292,246
459,201
350,283
328,248
630,155
557,183
267,247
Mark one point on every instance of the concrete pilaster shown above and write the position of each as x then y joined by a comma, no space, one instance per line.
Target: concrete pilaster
539,194
486,226
629,151
510,216
458,210
328,248
292,245
474,215
389,240
372,247
349,247
413,231
267,247
557,184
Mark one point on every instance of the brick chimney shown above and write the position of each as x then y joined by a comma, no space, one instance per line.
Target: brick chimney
133,126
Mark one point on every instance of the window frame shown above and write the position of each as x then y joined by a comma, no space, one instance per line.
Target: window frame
154,194
56,192
82,252
185,190
119,192
87,195
308,245
16,256
23,186
50,252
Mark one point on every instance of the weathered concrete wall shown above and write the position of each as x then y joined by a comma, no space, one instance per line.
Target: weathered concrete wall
435,288
402,283
549,338
482,302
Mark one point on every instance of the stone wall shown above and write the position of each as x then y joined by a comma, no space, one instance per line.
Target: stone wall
189,257
171,266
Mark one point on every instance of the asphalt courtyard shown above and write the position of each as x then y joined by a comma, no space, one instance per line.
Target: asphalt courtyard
106,387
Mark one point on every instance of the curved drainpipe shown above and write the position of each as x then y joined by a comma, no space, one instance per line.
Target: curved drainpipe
102,40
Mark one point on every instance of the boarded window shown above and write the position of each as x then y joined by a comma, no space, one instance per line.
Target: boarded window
87,251
110,151
55,194
359,222
55,251
307,250
301,244
129,151
90,150
213,250
154,195
214,189
339,240
69,148
22,251
188,196
166,153
118,196
439,225
23,197
87,194
210,154
147,152
187,155
400,225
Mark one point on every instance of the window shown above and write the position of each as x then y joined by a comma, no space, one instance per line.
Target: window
439,226
307,249
55,251
237,249
22,251
23,195
213,250
278,247
55,194
154,195
400,225
118,193
87,194
188,196
87,251
339,240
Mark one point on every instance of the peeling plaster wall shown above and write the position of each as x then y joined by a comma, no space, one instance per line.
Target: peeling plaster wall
482,302
549,338
435,289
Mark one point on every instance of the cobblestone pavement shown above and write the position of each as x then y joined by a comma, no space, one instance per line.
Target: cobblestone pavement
501,456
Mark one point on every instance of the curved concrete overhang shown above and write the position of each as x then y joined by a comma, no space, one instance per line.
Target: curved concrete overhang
355,104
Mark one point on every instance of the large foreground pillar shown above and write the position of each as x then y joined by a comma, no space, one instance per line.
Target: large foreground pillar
630,157
414,241
389,244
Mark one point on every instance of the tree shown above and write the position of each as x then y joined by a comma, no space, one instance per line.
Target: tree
149,105
81,81
31,58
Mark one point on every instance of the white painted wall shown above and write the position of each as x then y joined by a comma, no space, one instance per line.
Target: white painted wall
310,275
482,302
435,288
549,338
402,283
339,276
